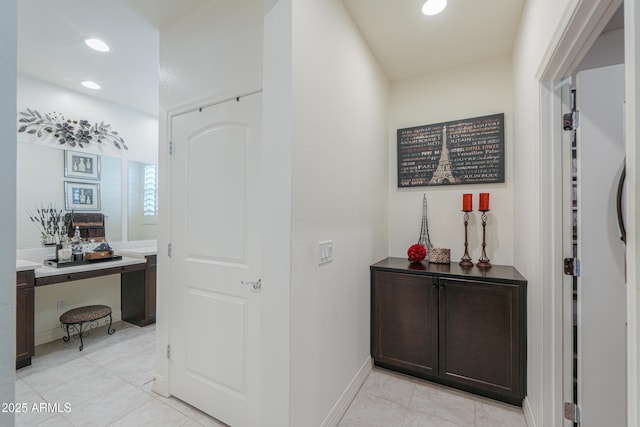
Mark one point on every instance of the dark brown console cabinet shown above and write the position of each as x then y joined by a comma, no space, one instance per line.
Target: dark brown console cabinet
465,328
25,281
138,291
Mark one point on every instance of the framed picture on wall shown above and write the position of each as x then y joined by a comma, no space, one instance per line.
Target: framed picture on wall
466,151
81,196
81,165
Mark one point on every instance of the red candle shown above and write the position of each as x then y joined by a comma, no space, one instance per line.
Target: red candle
467,204
484,202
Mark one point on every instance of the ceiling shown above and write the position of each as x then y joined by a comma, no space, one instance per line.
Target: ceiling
405,42
408,43
51,45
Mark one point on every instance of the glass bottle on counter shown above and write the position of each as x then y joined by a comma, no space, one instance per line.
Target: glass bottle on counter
64,253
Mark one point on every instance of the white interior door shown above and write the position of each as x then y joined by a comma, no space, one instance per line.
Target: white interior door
215,238
601,285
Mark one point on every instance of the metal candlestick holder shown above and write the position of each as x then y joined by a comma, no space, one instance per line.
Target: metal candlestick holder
465,261
483,261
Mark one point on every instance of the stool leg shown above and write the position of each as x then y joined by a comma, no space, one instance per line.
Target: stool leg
81,342
110,330
68,337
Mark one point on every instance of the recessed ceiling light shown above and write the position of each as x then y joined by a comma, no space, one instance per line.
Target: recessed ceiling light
90,85
433,7
97,44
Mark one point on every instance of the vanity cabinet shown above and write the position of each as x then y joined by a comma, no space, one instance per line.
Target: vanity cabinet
138,290
25,282
465,328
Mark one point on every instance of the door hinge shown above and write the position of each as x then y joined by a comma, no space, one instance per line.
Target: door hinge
570,121
572,267
169,351
572,412
169,250
171,148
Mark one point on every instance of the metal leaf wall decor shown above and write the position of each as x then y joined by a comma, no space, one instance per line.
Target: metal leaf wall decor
71,132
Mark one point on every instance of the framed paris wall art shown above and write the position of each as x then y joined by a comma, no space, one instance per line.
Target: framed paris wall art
467,151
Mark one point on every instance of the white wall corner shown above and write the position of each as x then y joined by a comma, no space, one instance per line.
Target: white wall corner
340,408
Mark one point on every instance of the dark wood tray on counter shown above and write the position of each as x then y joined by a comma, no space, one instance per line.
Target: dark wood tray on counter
55,264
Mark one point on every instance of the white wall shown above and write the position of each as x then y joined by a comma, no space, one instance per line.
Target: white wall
473,90
213,53
537,29
8,63
276,178
340,110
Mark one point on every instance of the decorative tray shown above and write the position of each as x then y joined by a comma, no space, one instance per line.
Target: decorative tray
55,264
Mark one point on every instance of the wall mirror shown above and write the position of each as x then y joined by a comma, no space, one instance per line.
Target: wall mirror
41,181
131,210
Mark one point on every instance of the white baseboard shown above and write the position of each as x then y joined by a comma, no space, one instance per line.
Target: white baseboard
341,406
49,335
528,413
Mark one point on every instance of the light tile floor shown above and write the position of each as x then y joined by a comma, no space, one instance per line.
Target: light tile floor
106,384
109,384
388,399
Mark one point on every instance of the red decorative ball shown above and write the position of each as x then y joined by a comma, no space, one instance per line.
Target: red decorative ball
416,253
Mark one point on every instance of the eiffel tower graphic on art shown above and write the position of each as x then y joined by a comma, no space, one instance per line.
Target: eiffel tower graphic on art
424,238
443,174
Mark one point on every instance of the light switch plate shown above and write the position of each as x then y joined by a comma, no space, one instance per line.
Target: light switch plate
325,251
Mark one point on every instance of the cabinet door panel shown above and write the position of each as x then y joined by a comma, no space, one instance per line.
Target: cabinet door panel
480,335
405,322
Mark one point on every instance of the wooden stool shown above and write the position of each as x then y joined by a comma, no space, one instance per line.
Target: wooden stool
81,315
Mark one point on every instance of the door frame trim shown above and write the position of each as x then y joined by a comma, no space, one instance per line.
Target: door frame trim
579,27
161,385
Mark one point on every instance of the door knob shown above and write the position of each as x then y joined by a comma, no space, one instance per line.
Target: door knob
256,285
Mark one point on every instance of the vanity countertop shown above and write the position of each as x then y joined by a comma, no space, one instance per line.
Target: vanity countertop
138,252
23,265
45,271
